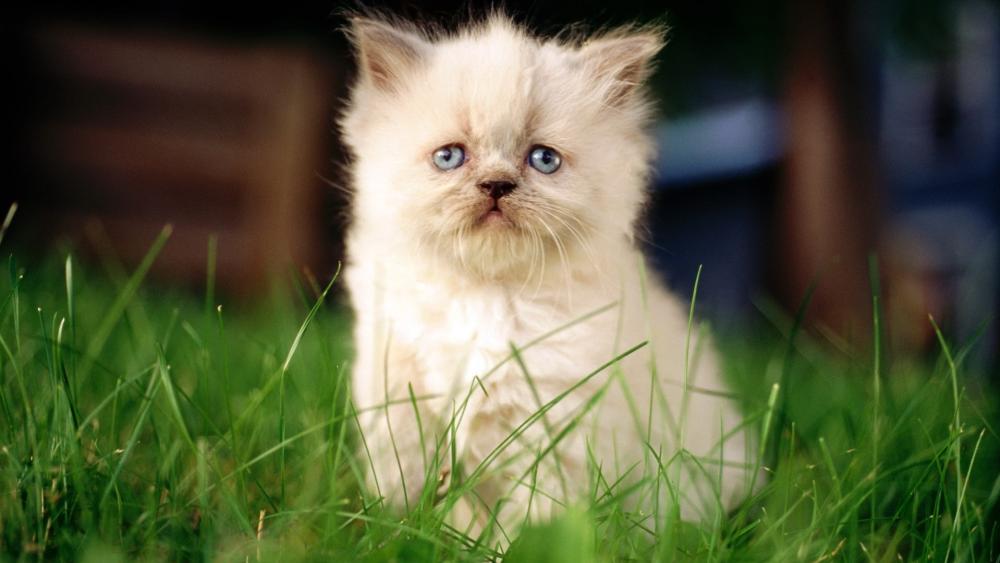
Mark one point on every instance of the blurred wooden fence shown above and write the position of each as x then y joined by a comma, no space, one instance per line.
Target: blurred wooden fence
138,130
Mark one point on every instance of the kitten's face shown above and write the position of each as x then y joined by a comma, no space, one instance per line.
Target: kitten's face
497,151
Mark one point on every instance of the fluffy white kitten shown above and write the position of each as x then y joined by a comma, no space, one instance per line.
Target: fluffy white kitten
497,181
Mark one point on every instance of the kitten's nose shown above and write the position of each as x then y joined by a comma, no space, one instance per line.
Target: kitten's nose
497,188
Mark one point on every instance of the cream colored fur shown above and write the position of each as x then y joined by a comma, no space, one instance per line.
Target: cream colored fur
440,295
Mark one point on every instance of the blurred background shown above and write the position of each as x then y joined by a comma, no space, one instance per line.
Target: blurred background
797,140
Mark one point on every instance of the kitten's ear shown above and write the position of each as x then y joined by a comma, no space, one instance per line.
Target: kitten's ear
385,53
622,60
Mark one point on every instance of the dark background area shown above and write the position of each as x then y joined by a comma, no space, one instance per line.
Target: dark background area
797,139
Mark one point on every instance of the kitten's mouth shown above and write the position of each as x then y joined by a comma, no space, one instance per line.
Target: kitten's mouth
494,215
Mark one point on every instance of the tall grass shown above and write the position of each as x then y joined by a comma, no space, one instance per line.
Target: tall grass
138,422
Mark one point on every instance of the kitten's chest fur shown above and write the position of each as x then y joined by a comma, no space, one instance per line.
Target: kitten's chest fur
460,331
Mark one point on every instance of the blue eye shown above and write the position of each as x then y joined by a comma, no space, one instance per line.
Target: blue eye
544,159
449,157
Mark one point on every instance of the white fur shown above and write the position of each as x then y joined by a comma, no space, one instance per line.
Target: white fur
440,296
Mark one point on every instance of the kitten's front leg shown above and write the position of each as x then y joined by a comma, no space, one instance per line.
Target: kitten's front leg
402,453
401,429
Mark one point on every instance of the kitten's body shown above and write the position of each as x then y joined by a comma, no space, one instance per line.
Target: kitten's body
442,288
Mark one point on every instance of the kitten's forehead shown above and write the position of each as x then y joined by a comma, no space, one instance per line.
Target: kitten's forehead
492,78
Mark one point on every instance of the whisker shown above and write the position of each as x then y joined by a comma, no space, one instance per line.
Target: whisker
567,222
563,259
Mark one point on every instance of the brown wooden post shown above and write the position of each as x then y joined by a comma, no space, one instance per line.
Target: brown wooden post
828,205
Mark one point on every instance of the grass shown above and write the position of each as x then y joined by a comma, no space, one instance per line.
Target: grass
144,423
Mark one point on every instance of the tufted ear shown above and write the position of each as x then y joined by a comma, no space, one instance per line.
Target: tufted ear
385,53
622,60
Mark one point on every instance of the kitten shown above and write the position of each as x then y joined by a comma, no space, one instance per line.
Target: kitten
497,182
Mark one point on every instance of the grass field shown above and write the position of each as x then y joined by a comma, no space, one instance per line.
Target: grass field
144,423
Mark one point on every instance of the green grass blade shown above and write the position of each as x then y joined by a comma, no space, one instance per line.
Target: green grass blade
117,308
138,426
